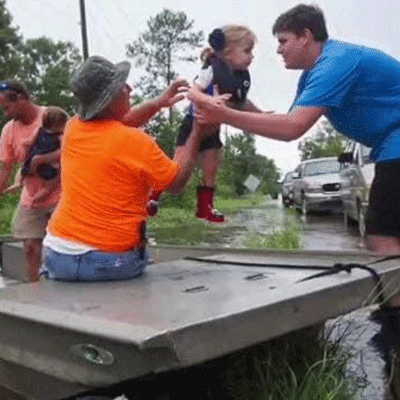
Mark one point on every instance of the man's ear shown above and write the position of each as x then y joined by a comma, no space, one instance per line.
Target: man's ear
308,36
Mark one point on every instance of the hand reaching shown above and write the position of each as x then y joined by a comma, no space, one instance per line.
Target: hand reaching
174,93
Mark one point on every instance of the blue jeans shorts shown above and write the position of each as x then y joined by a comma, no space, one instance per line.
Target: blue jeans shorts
93,265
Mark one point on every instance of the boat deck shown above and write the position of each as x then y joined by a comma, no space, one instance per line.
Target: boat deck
78,336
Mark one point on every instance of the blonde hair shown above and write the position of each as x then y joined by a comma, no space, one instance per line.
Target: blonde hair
234,35
54,116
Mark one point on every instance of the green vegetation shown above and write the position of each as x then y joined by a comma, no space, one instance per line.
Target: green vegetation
179,226
287,238
7,208
295,367
325,142
303,365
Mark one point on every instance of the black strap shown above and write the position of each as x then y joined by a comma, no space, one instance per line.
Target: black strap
348,267
143,239
256,264
339,267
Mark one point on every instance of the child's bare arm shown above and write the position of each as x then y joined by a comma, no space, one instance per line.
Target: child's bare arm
47,158
197,95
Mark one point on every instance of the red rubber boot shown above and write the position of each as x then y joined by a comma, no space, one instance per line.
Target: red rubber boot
205,205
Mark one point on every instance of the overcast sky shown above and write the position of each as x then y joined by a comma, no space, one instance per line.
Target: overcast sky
111,24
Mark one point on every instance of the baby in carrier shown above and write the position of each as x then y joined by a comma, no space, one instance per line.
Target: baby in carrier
47,141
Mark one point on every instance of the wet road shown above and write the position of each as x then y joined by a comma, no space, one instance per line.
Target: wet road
317,231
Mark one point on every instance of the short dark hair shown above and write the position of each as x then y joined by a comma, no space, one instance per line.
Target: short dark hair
300,18
15,86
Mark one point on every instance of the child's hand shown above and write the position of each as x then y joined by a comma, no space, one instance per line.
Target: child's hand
14,188
36,160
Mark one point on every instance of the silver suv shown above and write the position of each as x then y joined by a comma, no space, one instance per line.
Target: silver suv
316,185
287,189
357,172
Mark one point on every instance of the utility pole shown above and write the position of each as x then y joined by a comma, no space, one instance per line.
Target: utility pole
83,30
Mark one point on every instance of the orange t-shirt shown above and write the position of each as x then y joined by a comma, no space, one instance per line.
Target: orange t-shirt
15,143
107,172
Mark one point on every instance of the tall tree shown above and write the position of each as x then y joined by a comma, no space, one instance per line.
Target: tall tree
169,38
325,142
10,41
46,67
241,159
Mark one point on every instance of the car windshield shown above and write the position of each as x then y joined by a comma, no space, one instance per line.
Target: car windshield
322,167
288,177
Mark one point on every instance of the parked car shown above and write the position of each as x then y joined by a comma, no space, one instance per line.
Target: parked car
357,172
316,185
287,189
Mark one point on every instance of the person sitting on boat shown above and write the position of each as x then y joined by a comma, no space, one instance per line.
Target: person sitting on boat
109,168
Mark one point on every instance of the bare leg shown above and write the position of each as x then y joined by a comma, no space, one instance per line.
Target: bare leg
33,257
210,164
388,245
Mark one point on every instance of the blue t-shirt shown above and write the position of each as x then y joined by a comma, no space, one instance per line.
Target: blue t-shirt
360,88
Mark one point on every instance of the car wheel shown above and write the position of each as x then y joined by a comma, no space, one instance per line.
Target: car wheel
303,205
361,222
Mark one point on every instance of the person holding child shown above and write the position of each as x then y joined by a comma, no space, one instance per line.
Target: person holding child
225,77
356,88
37,200
43,152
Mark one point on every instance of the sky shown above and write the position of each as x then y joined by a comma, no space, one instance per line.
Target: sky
111,24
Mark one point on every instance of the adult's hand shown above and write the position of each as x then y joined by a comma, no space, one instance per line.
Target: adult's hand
174,93
208,109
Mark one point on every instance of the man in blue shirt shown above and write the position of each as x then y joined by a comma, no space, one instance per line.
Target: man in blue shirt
356,88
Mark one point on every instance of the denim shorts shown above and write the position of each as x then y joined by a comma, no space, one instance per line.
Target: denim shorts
93,265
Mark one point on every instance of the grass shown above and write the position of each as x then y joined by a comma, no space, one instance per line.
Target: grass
180,227
287,238
298,366
7,208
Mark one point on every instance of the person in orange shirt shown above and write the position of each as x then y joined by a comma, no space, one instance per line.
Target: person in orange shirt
108,169
38,200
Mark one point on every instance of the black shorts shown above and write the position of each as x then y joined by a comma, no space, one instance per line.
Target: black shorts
210,142
383,216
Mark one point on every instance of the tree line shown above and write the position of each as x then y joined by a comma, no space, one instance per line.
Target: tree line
169,40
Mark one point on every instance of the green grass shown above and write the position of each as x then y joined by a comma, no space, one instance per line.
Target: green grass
7,208
230,205
285,239
298,366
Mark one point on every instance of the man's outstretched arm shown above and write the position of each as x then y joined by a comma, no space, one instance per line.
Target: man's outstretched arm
285,127
140,114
